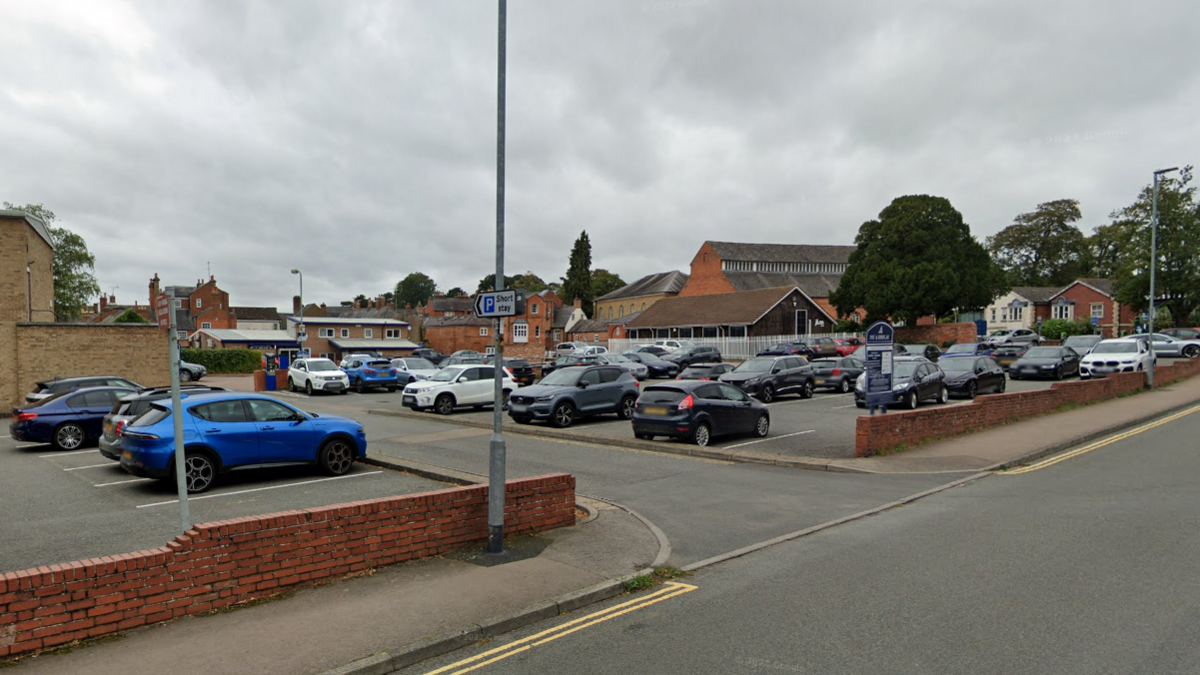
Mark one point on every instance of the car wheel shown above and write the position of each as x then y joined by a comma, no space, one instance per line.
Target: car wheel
1002,387
845,387
1058,373
199,472
943,395
627,405
702,435
444,405
644,437
291,384
359,386
1012,374
391,390
308,388
807,390
522,420
336,457
504,401
69,436
563,415
972,389
767,394
860,404
1191,351
185,375
910,400
763,426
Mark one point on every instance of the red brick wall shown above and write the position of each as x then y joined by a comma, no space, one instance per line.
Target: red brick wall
218,564
449,339
1118,319
879,433
936,334
707,277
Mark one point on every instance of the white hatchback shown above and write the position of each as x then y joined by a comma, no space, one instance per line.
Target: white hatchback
456,386
1115,356
317,375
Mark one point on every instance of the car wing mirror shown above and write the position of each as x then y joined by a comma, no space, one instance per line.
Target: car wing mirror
582,384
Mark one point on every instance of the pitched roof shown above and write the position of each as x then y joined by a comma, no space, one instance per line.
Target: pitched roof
1036,293
450,321
452,304
257,314
653,284
1104,286
33,221
725,309
563,317
361,313
798,253
813,285
365,343
228,335
590,326
346,320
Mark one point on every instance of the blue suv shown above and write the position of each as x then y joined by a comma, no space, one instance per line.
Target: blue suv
223,432
366,373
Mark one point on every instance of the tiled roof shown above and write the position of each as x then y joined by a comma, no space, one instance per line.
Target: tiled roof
343,320
1037,293
33,221
227,335
364,343
724,309
1105,286
797,253
361,313
452,304
813,285
590,326
654,284
257,313
449,321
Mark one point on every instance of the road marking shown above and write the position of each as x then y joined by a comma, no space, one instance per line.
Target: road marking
122,482
839,407
671,589
65,454
1100,444
769,438
92,466
262,489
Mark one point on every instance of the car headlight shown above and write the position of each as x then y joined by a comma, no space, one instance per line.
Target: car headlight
1048,366
900,387
544,399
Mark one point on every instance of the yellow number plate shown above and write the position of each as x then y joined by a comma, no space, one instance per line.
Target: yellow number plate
655,410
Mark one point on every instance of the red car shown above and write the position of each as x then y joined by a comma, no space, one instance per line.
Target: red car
846,346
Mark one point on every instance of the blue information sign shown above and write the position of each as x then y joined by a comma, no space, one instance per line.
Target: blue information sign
880,340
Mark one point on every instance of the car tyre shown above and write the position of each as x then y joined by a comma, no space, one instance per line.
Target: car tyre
199,472
627,405
702,435
359,386
910,400
845,387
1191,351
943,395
767,394
308,388
391,389
644,437
444,405
763,426
1058,372
807,390
69,436
291,384
185,375
1002,387
336,456
563,415
972,389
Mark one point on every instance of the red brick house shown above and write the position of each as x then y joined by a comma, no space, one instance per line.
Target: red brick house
1092,300
440,306
448,334
763,312
726,267
201,306
529,336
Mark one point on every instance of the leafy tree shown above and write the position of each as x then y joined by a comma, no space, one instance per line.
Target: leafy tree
457,292
415,289
554,286
605,282
918,259
360,299
1055,329
1042,248
488,283
578,282
73,267
130,316
528,282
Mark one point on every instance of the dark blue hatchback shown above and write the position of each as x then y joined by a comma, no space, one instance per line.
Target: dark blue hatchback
698,410
69,419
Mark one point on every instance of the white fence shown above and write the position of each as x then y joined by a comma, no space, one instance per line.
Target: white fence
731,348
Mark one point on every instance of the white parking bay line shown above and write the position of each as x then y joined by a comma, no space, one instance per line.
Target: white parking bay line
272,487
840,407
66,454
92,466
122,482
764,440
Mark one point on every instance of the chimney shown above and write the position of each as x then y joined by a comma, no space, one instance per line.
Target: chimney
296,304
408,307
154,290
356,304
103,302
322,306
578,303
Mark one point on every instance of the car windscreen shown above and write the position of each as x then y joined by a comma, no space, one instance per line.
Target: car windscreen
660,395
152,416
562,377
448,374
1115,348
904,370
420,364
968,348
957,365
755,366
1044,353
321,365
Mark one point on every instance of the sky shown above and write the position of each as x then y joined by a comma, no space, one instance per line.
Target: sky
356,140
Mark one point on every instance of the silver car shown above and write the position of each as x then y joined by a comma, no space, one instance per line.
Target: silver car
1165,345
638,370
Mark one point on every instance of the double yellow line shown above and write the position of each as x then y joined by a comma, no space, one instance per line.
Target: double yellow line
671,589
1100,444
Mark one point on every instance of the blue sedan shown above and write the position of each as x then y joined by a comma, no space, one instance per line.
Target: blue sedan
69,419
222,432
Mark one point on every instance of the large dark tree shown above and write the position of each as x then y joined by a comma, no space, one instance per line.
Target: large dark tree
528,282
1043,247
488,283
74,279
456,292
415,289
605,282
918,259
578,282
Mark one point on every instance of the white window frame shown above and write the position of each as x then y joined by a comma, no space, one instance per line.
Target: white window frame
520,332
533,308
181,335
178,303
199,303
345,333
327,355
537,332
1097,309
1063,311
391,333
324,333
483,331
368,333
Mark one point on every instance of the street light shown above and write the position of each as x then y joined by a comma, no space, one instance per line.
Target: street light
1153,267
300,330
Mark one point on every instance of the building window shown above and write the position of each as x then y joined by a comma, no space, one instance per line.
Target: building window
610,311
181,334
1018,313
206,324
557,335
325,332
533,308
392,333
1062,311
178,303
1004,315
209,342
537,332
643,306
618,331
345,332
449,314
993,315
520,332
622,312
489,350
368,333
1097,310
685,332
855,317
326,355
482,331
595,337
740,331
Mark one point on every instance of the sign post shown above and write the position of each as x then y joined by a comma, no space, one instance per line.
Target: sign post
880,340
166,320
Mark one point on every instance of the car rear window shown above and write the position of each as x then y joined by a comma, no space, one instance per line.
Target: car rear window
825,363
380,364
151,417
662,395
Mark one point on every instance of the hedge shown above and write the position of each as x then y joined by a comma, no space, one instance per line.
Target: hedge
1055,329
224,360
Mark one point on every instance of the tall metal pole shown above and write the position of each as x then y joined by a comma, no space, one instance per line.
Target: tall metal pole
300,330
1153,268
177,415
496,450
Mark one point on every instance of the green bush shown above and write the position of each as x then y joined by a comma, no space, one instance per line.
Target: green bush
1054,329
847,326
224,360
130,316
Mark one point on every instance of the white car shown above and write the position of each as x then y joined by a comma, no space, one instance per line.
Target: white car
1165,345
317,375
1013,337
419,368
672,345
595,351
456,386
1115,356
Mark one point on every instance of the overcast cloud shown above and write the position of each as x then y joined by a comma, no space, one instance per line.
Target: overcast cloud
356,140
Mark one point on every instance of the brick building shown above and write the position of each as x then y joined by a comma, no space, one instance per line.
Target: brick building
763,312
1022,307
334,337
639,295
531,335
1092,300
107,310
204,305
448,334
441,306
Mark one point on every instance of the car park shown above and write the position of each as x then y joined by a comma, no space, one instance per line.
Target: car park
897,350
686,356
317,374
1165,345
365,374
766,377
1182,333
519,369
594,350
968,349
846,346
837,373
48,388
127,408
635,368
914,379
1006,355
227,431
929,351
968,378
457,386
570,393
470,358
656,365
67,420
413,368
1115,356
1082,344
1045,362
565,361
1008,336
787,349
191,372
698,411
569,348
673,345
430,355
822,346
361,356
704,371
653,349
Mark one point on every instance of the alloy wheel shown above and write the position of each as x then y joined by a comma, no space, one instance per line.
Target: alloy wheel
763,426
337,457
68,437
199,473
703,435
563,415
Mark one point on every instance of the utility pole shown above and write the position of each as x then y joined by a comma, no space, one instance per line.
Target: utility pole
1153,268
496,449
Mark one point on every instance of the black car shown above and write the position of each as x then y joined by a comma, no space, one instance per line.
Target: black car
697,410
430,355
658,367
1082,344
698,354
653,349
1006,355
129,407
562,362
970,377
914,379
48,388
567,394
768,376
521,369
837,373
704,371
787,349
929,351
1053,362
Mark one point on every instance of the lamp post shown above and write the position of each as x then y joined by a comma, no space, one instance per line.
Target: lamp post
1153,267
300,329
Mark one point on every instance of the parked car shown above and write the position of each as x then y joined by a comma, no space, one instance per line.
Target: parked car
317,374
970,377
457,386
822,346
837,373
466,352
914,379
769,376
1182,333
1115,356
635,368
570,393
1006,355
1054,362
846,346
861,352
67,420
367,374
569,348
704,371
48,388
787,349
191,372
929,351
469,358
519,369
653,349
968,349
565,361
225,431
698,411
672,346
430,355
594,350
686,356
361,356
1082,344
657,366
1165,345
1008,336
414,368
129,407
